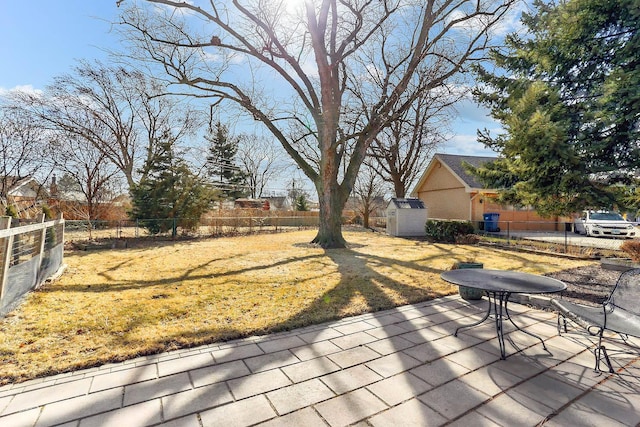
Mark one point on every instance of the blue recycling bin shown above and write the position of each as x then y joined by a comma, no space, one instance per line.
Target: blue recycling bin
491,221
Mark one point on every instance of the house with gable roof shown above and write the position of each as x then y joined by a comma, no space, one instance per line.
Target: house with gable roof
450,192
25,194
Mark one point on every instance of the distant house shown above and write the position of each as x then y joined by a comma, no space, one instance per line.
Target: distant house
279,203
252,204
450,192
25,194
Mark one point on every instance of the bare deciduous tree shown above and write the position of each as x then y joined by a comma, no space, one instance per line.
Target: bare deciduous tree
119,110
401,151
23,148
260,161
92,173
369,193
309,73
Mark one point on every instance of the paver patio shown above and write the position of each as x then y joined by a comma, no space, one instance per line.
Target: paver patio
396,367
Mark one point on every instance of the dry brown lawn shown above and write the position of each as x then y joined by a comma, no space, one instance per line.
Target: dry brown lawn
118,304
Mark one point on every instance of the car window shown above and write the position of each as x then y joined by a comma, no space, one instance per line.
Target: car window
607,216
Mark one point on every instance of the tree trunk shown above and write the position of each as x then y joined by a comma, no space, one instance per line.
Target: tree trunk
398,187
331,204
365,216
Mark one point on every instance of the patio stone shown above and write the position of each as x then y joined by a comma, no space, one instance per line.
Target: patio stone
183,364
121,378
346,342
196,400
272,346
236,353
349,408
239,414
548,391
350,379
298,396
261,382
269,361
393,364
442,399
398,388
491,379
318,349
353,356
306,417
80,407
386,346
24,418
472,358
580,414
474,419
320,335
41,396
439,371
513,409
412,413
352,328
148,390
218,373
306,370
145,413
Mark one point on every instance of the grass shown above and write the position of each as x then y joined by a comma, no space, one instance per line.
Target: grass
118,304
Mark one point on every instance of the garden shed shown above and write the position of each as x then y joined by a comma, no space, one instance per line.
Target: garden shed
406,217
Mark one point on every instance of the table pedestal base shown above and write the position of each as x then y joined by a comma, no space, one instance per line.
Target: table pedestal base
498,302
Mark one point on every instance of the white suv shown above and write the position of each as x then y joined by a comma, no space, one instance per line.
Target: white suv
604,223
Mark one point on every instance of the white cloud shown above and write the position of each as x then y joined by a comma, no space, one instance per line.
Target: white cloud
21,88
466,145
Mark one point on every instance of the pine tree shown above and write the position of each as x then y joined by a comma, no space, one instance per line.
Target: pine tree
568,96
171,194
226,176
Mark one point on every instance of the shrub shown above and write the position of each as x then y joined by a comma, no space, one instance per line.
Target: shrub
632,248
447,231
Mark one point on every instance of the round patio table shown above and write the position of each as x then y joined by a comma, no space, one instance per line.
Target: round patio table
499,285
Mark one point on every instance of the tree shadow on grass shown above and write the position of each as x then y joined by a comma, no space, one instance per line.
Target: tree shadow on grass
371,287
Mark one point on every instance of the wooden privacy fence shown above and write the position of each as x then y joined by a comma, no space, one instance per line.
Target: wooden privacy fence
29,254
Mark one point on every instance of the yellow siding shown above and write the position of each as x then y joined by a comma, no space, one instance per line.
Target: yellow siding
446,204
444,195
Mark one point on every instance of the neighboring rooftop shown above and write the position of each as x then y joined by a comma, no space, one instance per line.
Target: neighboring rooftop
456,164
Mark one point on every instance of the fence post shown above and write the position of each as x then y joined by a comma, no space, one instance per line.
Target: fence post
7,246
60,217
43,236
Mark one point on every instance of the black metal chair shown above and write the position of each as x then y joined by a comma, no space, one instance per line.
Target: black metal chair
620,313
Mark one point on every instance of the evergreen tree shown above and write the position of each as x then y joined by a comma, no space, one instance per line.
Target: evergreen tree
226,176
170,194
568,96
301,203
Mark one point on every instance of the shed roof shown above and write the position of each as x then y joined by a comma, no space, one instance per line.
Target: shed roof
408,203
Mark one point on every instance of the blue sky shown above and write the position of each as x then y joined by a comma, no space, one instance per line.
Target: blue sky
42,39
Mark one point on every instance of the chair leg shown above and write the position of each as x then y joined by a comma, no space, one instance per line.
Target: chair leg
563,325
600,349
606,357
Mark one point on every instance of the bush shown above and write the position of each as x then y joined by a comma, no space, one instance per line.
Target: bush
447,231
632,248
